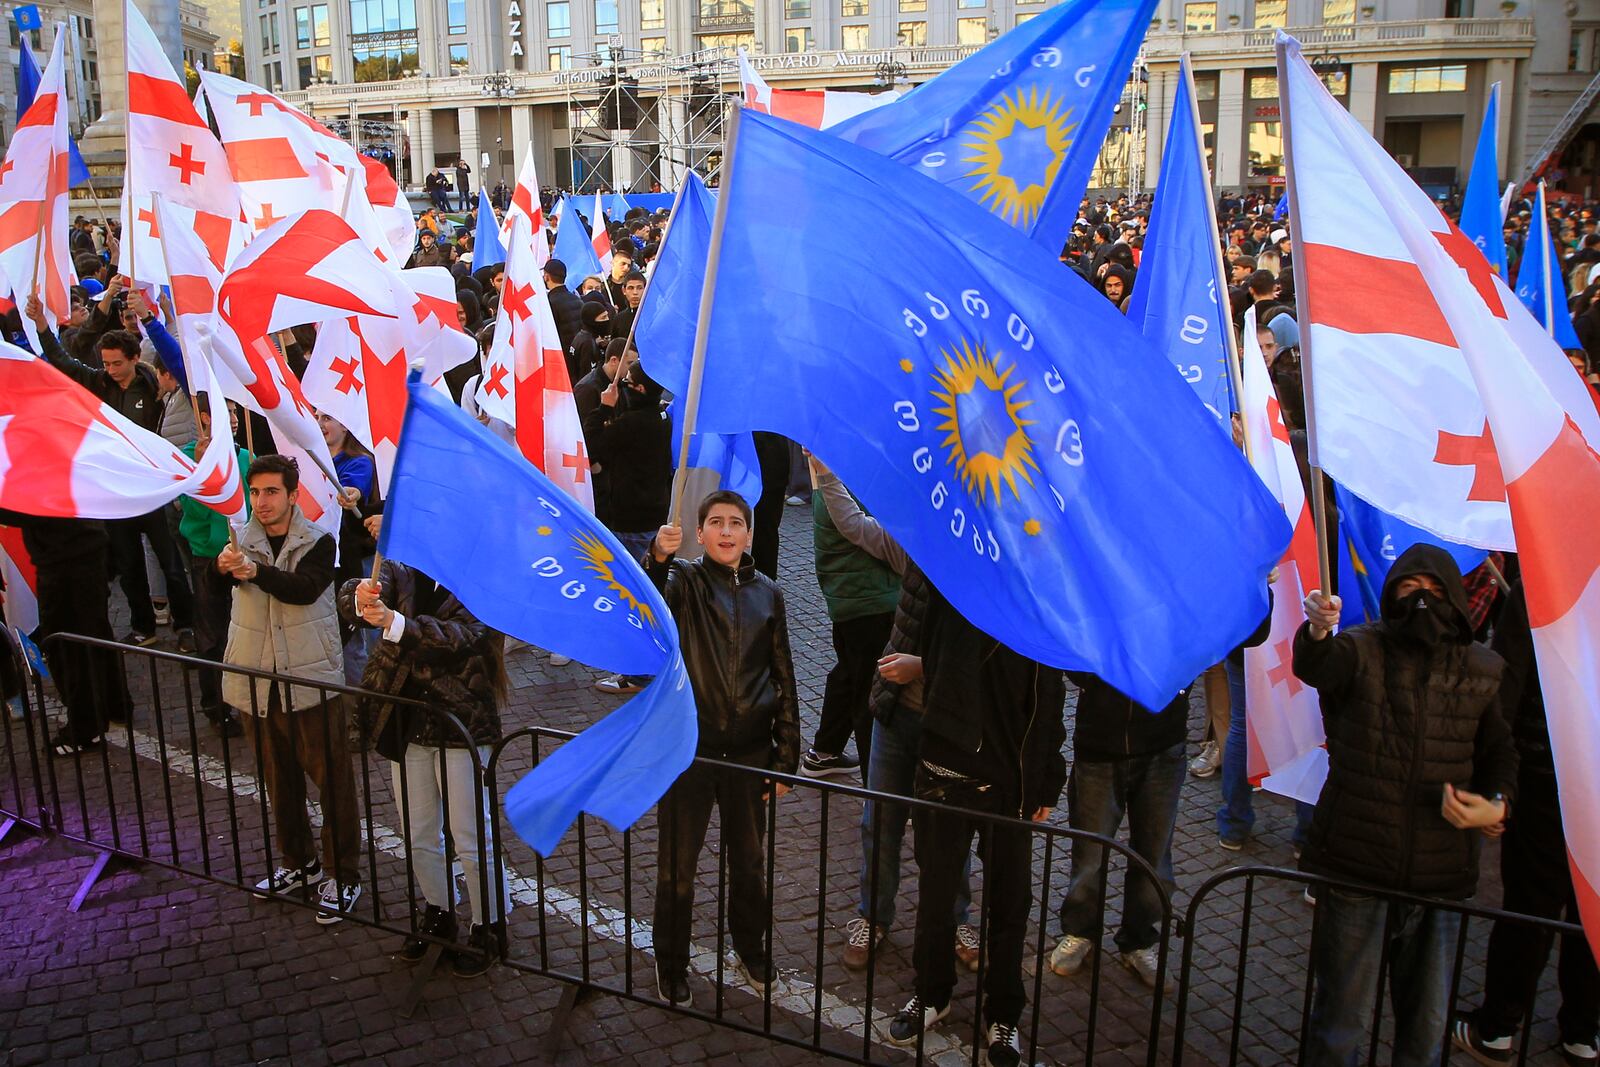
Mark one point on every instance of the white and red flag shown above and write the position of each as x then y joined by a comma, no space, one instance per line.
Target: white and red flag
525,202
171,151
1546,436
525,382
21,582
357,372
34,255
816,108
64,454
286,161
600,235
1284,724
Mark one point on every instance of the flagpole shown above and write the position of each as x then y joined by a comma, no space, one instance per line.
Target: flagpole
1319,502
44,210
129,226
702,328
166,266
1547,253
1219,267
661,249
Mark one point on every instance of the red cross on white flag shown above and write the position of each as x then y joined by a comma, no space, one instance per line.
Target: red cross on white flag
525,203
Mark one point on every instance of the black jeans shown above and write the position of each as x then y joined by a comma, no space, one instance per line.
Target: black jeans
857,644
128,554
213,608
944,838
73,599
684,814
1537,881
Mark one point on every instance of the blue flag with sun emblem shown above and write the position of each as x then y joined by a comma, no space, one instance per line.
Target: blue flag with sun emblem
467,510
1017,126
1036,457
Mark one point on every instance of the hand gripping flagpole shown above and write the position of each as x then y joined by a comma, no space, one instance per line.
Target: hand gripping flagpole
702,327
1319,499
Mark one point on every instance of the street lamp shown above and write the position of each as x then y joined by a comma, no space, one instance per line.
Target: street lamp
498,85
890,74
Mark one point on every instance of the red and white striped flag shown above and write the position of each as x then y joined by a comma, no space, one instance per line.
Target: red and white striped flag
525,380
1545,435
525,202
600,235
816,108
21,582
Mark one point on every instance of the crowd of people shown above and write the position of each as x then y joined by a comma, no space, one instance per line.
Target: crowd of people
1433,715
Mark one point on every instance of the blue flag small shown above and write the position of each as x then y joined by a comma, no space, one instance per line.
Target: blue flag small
487,248
27,18
1371,541
467,510
28,77
1540,271
572,245
1482,216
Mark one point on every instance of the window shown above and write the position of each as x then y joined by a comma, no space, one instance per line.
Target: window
456,15
852,9
730,41
797,39
1338,12
913,5
383,39
1272,14
558,17
303,72
605,16
971,4
1025,16
855,38
972,31
912,35
561,57
324,67
1263,87
302,27
269,34
653,46
321,36
1266,150
652,14
796,9
1448,79
1575,50
727,13
1205,86
460,60
1200,18
1337,81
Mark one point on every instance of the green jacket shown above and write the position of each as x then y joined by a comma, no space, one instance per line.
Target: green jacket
854,583
204,529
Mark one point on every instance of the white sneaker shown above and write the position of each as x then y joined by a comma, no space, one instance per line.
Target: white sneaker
1001,1047
1143,963
558,660
337,901
1066,959
163,614
1208,762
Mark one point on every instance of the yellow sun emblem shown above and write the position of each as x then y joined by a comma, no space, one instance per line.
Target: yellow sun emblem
598,558
1016,148
985,433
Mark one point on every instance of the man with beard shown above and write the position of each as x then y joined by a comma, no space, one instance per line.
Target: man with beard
1419,760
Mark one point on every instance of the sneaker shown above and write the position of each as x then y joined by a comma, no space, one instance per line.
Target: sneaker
861,937
1465,1036
139,638
1232,844
1580,1053
758,977
1066,959
477,956
337,901
163,613
1208,762
1142,962
616,684
674,990
558,660
1309,896
910,1021
819,764
795,501
967,946
1003,1049
186,642
437,923
289,880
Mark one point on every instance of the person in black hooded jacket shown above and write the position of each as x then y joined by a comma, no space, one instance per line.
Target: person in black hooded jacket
589,344
1419,760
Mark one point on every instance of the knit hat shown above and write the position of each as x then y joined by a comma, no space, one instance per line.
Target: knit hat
1285,331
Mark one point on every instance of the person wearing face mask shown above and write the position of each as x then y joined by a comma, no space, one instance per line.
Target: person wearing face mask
590,342
1420,761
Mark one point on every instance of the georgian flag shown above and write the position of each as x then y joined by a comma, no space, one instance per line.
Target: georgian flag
816,108
599,236
525,202
21,582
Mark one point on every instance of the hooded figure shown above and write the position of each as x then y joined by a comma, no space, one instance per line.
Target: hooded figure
587,346
1116,272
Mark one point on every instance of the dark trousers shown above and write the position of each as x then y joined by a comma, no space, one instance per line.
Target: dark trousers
773,452
944,839
128,555
213,608
684,814
312,742
1537,881
73,600
463,197
857,644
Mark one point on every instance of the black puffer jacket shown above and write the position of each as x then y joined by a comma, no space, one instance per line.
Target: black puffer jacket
1402,719
632,441
445,658
139,402
888,697
736,648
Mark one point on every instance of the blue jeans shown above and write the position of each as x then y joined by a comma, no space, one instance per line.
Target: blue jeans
359,648
1345,957
892,768
1236,817
1099,792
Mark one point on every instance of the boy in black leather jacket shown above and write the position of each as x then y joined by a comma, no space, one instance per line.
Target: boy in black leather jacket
735,643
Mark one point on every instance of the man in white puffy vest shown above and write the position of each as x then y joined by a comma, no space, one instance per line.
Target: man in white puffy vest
284,621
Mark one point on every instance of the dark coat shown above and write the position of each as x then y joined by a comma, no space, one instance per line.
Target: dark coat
633,443
1403,719
568,312
139,402
1521,696
445,658
905,636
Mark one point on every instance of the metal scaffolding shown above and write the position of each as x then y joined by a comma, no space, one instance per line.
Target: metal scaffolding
641,120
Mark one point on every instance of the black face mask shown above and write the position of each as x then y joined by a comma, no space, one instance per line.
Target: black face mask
1422,619
601,328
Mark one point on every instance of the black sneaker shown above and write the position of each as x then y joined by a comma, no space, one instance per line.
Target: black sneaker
675,989
1002,1048
436,923
758,976
337,901
1494,1051
186,642
913,1019
820,764
477,956
289,880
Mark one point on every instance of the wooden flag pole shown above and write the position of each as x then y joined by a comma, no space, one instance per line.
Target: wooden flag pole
702,329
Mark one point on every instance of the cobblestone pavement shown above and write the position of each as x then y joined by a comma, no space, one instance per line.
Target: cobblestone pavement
161,966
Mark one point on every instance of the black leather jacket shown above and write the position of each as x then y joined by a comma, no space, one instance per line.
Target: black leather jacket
736,647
